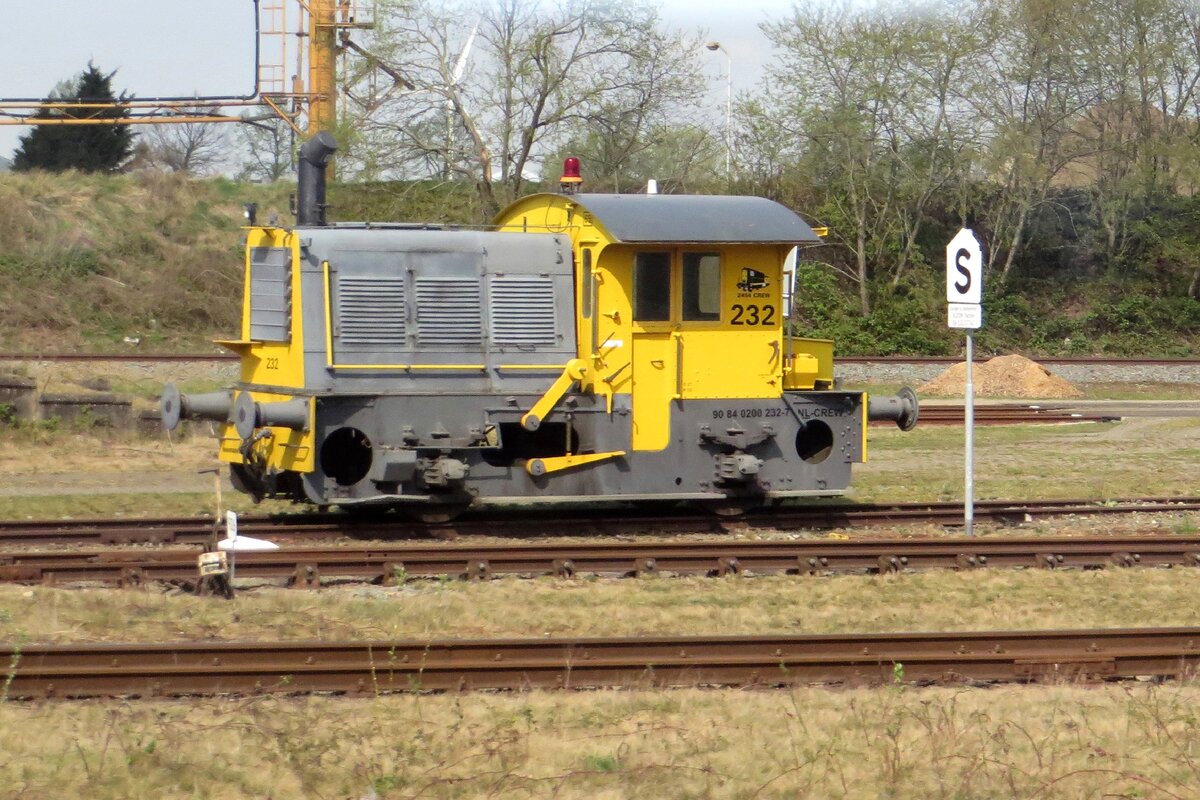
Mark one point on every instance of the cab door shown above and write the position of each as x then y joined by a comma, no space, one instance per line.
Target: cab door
706,326
655,361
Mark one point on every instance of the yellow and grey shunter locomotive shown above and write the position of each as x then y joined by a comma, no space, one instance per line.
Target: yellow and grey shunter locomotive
589,347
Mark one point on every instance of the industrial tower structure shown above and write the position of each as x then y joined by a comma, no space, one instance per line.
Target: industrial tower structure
306,35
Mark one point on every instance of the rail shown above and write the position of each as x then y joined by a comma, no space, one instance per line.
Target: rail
376,667
568,522
307,567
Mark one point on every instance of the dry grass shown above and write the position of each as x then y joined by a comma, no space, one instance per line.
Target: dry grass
71,471
1140,391
142,382
608,607
1140,456
46,451
1052,742
86,473
53,473
137,503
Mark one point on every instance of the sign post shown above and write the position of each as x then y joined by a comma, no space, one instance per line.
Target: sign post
964,295
234,544
231,521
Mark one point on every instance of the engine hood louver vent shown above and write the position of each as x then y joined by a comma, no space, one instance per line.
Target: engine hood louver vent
521,312
371,310
270,293
448,312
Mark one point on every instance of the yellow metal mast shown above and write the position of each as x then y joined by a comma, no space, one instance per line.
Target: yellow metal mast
309,104
322,65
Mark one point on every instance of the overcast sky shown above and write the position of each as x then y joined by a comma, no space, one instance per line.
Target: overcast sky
183,47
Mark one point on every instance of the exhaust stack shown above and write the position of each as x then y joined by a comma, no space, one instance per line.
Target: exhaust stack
310,189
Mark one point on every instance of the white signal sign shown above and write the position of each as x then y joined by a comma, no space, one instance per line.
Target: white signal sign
964,291
964,268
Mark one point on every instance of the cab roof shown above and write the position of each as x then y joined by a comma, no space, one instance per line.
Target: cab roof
693,218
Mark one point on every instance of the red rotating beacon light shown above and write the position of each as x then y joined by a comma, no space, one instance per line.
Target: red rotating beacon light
570,180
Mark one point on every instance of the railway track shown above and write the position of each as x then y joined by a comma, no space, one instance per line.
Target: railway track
166,357
306,567
559,522
206,668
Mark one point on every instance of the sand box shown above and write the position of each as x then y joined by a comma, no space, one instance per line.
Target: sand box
1002,376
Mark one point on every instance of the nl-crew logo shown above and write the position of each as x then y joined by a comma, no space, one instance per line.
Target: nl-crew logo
752,281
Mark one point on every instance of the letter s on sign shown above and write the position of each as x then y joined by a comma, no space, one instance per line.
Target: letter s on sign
962,255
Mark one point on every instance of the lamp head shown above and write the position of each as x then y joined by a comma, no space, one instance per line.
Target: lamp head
570,180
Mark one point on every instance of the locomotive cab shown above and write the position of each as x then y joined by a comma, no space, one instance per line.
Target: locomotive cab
588,346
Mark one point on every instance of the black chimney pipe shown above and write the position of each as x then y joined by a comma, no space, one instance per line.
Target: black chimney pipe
310,189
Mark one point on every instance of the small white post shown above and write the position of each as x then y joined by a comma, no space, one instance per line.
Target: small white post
969,422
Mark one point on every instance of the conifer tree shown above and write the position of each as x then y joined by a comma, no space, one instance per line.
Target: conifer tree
100,147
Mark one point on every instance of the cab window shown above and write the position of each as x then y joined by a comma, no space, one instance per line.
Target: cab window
652,287
701,287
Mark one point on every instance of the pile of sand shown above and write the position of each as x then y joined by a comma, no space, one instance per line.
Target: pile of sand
1002,376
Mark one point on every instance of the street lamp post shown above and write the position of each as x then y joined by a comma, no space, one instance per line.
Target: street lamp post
714,46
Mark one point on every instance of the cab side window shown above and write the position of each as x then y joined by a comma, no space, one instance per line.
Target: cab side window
652,287
701,287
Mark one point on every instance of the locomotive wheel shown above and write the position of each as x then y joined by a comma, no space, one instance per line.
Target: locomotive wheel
733,507
436,514
367,512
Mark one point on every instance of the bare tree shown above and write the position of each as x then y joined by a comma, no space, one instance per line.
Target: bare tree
196,148
268,146
536,76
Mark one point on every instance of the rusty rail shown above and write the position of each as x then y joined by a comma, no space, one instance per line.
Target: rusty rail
557,522
307,567
204,668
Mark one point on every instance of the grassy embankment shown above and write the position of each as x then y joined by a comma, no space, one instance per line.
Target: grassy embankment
88,260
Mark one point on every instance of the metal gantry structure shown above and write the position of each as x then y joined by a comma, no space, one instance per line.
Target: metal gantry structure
299,42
